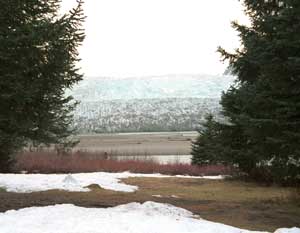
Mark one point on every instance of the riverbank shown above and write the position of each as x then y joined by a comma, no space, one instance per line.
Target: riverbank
158,143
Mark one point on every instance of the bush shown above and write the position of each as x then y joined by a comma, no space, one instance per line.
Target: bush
49,162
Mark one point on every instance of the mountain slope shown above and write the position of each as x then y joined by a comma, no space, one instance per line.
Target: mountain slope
162,103
169,86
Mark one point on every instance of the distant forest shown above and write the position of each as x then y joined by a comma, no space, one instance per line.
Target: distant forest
145,115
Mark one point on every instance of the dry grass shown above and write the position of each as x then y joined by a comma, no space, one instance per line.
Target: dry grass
244,205
240,204
49,162
216,190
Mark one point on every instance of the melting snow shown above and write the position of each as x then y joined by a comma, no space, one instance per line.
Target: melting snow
26,183
288,230
149,217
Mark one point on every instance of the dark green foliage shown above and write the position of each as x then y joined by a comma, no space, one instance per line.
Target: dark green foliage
38,53
263,107
206,149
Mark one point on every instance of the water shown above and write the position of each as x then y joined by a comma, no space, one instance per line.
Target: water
162,159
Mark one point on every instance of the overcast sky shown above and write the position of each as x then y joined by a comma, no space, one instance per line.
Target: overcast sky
156,37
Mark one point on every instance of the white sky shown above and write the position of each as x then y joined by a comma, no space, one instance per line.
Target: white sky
157,37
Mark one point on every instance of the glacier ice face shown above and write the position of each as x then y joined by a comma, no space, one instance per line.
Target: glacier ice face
159,87
163,103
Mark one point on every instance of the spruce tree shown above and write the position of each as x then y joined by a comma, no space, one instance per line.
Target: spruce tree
206,148
263,107
38,56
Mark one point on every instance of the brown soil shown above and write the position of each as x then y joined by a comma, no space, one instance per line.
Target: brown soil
164,143
244,205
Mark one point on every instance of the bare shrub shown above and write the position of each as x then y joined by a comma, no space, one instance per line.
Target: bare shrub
50,162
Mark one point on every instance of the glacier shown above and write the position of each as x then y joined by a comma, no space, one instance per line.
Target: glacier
143,104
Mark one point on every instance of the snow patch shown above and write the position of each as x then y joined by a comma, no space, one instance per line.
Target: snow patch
149,217
27,183
288,230
158,195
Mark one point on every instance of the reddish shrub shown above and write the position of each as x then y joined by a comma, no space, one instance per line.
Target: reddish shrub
49,162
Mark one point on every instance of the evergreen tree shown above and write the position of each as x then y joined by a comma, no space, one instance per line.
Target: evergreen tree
38,56
206,149
264,106
262,136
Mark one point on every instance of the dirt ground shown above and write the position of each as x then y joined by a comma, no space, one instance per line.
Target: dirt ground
161,143
244,205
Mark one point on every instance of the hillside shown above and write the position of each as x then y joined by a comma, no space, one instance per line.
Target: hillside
160,103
